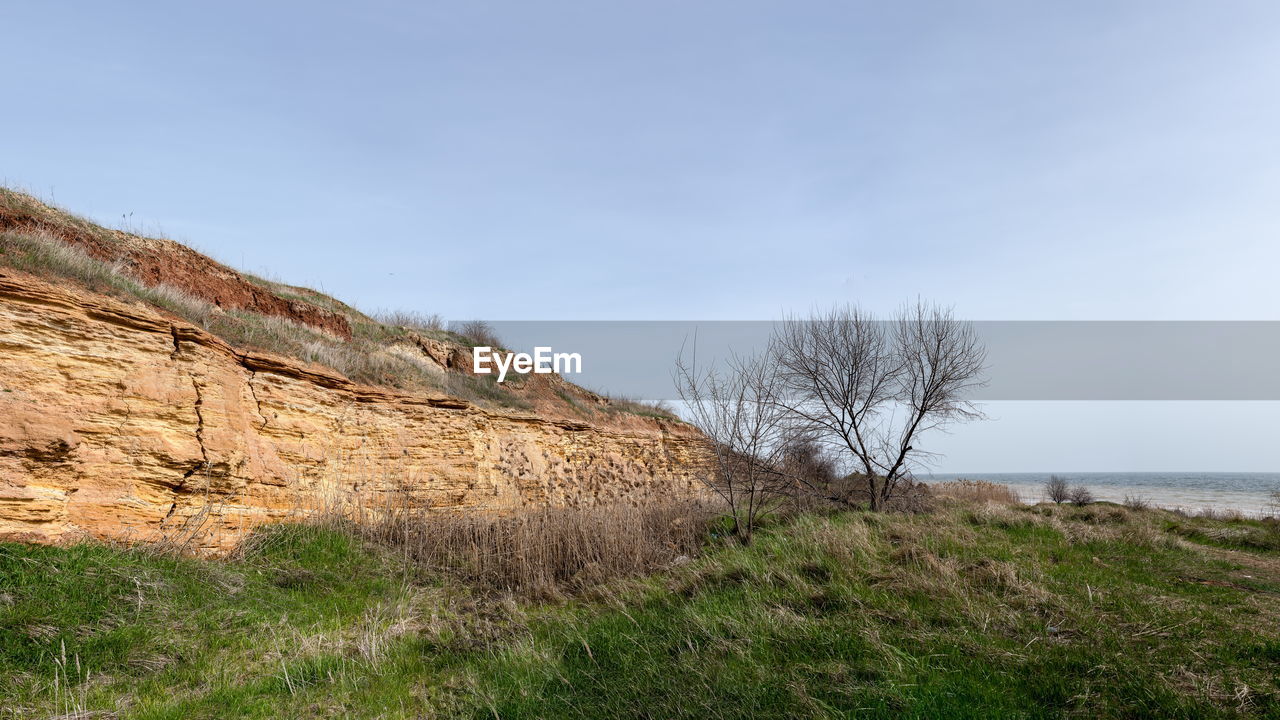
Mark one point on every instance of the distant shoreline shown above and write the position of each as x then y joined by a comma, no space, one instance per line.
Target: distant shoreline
1250,493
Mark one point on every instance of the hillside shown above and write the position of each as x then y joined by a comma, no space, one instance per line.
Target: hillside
407,350
144,386
968,610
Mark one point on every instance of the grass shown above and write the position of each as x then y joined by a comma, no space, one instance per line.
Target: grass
644,408
970,610
1235,532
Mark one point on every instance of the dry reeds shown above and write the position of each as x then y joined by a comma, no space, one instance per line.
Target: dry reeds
975,491
540,551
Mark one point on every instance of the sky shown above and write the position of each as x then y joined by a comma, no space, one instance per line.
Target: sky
711,160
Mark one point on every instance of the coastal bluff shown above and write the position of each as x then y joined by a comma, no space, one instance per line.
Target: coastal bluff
120,422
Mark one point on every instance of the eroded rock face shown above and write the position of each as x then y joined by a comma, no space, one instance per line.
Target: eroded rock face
118,422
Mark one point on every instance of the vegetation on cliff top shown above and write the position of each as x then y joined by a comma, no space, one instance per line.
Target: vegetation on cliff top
969,610
264,315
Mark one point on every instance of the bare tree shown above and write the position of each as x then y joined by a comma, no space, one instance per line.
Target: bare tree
871,388
1058,489
739,412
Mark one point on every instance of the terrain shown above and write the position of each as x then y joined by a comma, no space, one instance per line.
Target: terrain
226,497
143,385
968,610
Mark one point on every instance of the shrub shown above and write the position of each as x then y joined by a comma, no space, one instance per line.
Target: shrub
1136,502
814,478
478,332
1080,495
1057,489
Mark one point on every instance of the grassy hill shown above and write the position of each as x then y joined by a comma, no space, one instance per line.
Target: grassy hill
968,610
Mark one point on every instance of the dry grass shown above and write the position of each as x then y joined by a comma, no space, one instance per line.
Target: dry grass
540,552
980,491
429,322
646,408
1209,513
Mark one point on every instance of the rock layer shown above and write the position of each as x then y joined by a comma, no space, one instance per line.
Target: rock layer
118,422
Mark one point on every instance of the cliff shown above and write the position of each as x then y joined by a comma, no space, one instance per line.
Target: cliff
120,420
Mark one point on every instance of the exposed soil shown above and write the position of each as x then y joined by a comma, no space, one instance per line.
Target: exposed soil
154,261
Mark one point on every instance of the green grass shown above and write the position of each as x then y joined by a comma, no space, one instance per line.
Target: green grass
969,611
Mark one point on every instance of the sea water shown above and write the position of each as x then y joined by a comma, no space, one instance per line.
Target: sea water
1251,493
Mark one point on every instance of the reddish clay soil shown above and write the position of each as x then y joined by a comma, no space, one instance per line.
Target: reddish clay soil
154,261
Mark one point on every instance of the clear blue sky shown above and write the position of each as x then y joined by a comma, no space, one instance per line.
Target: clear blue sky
710,160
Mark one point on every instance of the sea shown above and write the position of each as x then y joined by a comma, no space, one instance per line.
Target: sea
1249,493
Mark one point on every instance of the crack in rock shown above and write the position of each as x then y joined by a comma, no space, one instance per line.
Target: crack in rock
204,453
177,345
253,375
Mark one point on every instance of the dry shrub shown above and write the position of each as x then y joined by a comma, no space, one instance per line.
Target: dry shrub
1137,503
842,492
1057,489
543,552
478,332
910,497
1081,495
976,491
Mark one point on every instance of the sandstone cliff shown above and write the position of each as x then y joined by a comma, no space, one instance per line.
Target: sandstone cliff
119,421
